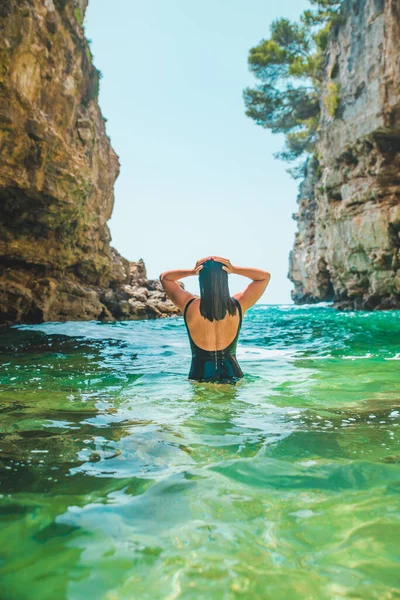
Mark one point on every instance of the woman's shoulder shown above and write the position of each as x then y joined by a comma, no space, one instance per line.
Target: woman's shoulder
237,301
190,301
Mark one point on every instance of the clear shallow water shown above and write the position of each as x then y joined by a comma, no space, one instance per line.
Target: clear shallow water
121,479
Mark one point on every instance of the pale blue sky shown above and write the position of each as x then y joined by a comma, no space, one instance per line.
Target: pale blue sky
197,176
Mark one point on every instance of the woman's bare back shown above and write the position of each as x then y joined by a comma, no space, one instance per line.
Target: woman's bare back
211,335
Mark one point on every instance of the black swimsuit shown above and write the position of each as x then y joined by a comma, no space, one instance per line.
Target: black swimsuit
215,365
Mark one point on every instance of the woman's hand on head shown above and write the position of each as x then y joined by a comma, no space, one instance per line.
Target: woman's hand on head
227,266
199,265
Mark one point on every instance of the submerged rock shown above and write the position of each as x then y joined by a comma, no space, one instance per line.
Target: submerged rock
57,174
347,248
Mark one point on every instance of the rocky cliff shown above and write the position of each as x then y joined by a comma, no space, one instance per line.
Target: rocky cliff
57,172
347,248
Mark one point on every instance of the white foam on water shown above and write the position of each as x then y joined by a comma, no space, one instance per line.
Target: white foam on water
246,351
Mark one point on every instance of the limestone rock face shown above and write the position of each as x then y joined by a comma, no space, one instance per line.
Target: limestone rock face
347,248
57,174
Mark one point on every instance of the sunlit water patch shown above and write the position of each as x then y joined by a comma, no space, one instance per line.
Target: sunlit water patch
122,479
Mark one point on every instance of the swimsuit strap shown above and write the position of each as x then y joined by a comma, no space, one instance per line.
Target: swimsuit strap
186,307
240,311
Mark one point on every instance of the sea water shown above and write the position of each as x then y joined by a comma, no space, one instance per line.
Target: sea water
122,479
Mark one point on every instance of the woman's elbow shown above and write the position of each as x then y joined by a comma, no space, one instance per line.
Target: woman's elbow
163,278
267,277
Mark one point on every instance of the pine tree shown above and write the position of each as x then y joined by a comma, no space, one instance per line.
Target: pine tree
288,67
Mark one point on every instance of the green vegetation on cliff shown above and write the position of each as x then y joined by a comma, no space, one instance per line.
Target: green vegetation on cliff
289,67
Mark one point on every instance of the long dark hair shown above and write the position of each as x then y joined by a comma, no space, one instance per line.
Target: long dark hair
215,296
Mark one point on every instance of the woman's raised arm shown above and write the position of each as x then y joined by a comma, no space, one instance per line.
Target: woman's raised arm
173,290
255,289
176,274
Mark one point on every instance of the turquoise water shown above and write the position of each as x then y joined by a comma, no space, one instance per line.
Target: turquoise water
121,479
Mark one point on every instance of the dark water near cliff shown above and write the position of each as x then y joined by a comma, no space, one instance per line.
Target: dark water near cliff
120,479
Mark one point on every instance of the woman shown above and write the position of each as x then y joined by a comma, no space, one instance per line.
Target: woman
213,321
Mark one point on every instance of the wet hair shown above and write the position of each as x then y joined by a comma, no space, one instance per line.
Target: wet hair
215,296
